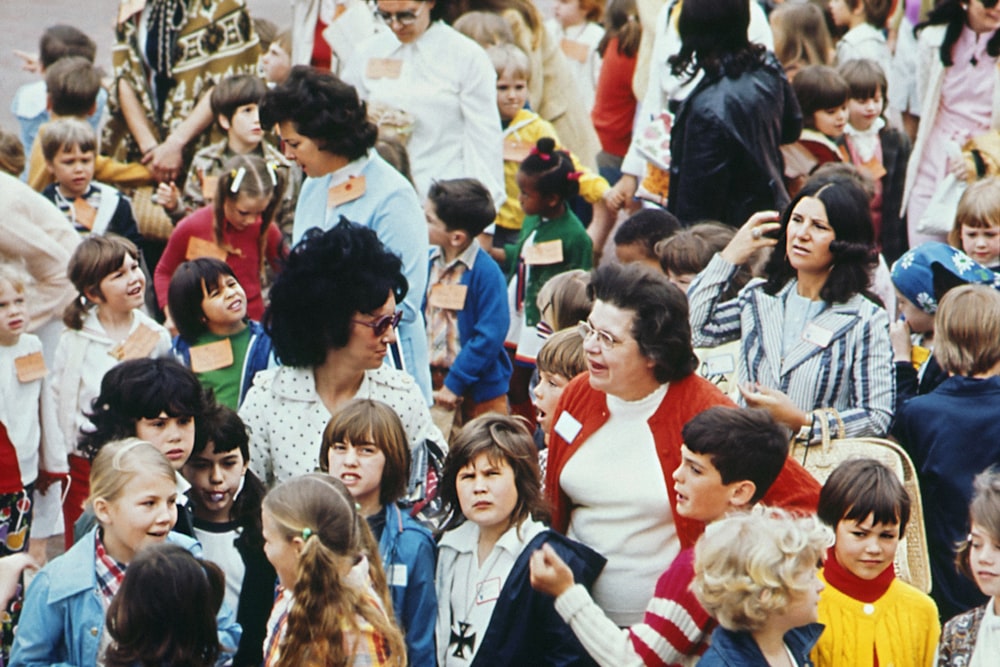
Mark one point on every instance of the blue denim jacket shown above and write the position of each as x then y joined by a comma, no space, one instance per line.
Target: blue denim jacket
63,617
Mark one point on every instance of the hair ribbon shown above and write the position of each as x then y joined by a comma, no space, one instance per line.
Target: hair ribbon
574,175
306,534
237,179
544,156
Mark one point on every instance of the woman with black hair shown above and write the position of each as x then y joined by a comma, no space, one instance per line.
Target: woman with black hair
958,85
332,318
811,337
445,82
324,127
725,157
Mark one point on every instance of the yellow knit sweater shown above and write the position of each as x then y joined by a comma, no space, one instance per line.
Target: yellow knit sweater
902,625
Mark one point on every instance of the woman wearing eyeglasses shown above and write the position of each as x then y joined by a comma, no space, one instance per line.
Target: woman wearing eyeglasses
332,317
811,336
958,83
445,82
617,437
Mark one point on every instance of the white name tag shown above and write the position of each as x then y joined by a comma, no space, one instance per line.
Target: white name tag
488,591
817,335
720,364
567,427
396,575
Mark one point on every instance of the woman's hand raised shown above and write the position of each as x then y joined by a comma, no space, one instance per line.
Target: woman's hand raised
752,236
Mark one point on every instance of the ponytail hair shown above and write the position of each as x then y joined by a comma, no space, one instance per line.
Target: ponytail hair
97,257
552,170
318,510
621,21
252,176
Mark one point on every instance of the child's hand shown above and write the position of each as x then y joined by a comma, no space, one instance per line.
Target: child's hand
447,399
899,336
31,62
622,192
11,568
549,573
168,196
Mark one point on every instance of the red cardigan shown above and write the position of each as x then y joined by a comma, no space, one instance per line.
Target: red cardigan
246,264
794,489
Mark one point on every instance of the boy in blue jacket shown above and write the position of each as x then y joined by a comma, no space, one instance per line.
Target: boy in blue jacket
466,303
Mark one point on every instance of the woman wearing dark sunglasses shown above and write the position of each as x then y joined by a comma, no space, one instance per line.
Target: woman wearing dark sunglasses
959,87
444,81
332,321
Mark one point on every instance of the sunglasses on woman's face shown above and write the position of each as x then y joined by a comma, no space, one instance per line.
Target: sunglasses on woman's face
403,18
382,324
989,4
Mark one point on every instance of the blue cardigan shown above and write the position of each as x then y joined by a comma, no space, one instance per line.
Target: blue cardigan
390,207
408,555
63,617
482,365
738,649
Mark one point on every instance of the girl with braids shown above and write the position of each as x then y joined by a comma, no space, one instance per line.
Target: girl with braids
105,325
552,240
238,228
332,606
957,50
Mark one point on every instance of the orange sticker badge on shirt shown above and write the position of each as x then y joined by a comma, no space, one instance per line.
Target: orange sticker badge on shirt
448,297
209,188
83,213
514,150
874,168
347,191
30,367
383,68
543,254
574,50
201,248
138,345
212,356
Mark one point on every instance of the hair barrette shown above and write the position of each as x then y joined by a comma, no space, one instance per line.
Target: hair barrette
574,175
237,179
544,156
306,534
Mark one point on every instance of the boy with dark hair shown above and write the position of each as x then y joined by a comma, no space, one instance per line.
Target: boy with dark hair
729,459
234,102
73,85
636,238
466,303
30,104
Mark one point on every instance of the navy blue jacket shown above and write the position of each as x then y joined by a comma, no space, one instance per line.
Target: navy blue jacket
738,649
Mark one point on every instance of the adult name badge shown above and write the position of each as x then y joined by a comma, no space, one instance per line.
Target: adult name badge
138,345
515,151
720,364
351,189
817,335
488,591
198,248
383,68
574,50
542,254
567,427
30,367
448,297
212,356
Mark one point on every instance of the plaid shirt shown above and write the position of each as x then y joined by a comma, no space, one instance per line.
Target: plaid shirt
109,572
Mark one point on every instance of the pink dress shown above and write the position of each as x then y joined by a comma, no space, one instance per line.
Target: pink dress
964,111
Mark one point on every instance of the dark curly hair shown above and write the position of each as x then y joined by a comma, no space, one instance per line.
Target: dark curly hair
143,389
853,247
323,108
952,14
552,171
714,39
328,278
661,326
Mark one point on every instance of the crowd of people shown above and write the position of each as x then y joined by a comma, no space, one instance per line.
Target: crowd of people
451,333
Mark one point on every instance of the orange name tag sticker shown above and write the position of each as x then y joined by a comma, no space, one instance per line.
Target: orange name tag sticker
515,151
212,356
209,188
138,345
448,297
84,213
347,191
574,50
127,8
542,254
383,68
30,367
874,168
202,248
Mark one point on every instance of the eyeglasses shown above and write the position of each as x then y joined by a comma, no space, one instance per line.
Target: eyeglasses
402,18
604,339
382,324
988,4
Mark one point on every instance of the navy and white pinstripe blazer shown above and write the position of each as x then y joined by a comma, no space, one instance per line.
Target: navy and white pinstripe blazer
853,372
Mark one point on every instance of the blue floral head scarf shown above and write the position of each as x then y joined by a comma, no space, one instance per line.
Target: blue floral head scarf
913,273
